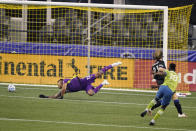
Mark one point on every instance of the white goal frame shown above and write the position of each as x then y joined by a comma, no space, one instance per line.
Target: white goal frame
116,6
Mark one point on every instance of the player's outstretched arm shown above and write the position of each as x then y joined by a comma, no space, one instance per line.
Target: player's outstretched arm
59,95
56,96
63,90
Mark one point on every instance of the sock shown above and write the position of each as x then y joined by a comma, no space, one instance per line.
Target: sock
151,104
156,105
106,68
158,114
98,88
178,106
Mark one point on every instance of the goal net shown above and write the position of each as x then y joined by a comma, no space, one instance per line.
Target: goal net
42,42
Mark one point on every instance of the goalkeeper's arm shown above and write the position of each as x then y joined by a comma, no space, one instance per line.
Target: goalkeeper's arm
59,95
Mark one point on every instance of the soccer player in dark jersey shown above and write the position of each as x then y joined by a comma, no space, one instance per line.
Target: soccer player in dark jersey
158,57
81,84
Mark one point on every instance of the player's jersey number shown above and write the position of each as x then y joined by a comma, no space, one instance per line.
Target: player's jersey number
173,77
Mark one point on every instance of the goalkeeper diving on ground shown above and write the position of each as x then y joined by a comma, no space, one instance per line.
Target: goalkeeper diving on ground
81,84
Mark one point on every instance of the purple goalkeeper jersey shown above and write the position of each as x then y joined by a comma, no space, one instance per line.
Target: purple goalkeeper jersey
79,84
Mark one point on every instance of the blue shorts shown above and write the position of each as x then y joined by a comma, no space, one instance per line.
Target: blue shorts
164,93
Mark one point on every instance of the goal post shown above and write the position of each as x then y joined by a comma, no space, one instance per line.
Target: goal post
66,38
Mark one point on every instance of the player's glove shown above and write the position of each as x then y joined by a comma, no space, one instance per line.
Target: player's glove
42,96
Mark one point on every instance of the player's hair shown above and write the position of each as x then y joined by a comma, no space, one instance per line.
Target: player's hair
172,67
157,55
59,80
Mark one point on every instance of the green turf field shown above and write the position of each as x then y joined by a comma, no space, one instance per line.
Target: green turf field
105,111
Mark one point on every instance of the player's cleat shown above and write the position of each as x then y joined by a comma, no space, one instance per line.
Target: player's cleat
116,64
105,82
151,123
143,113
182,115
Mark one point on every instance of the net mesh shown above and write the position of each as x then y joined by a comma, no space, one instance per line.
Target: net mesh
41,44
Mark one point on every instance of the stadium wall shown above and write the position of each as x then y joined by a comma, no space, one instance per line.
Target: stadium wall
46,63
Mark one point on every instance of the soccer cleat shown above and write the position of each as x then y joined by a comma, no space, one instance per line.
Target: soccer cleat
143,113
105,82
151,123
182,115
116,64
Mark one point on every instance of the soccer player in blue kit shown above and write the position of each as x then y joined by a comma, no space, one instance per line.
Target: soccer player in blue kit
165,92
158,57
81,84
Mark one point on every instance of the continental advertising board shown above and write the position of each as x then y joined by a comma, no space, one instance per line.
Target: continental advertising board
47,69
44,63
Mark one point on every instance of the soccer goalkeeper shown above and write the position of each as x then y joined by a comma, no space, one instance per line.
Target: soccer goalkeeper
165,91
158,57
81,84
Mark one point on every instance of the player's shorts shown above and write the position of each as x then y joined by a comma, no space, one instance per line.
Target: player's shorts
164,93
159,82
74,85
87,81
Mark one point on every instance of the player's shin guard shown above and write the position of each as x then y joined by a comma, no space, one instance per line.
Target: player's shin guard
148,108
151,104
178,106
158,114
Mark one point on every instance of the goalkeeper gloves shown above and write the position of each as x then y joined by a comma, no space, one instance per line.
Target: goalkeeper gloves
42,96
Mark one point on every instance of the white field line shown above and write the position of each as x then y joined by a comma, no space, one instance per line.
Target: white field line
87,101
91,101
93,124
113,93
56,86
110,89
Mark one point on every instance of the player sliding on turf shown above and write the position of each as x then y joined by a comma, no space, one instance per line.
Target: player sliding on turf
81,84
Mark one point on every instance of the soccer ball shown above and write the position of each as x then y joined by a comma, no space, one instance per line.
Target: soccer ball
11,88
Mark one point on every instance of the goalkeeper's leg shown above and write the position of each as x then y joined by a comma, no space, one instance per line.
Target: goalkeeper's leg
106,68
90,90
110,66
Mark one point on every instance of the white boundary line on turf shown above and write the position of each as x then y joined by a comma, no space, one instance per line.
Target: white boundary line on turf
88,101
93,124
113,89
102,88
110,89
29,88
